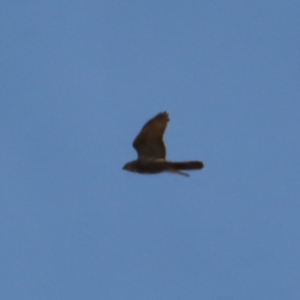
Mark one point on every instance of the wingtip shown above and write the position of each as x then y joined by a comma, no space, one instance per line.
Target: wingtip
165,114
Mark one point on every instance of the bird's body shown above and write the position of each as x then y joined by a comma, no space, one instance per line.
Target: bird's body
152,151
157,166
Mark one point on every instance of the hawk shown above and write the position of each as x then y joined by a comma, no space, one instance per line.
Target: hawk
151,151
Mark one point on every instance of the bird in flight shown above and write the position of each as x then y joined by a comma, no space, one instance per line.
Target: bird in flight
151,151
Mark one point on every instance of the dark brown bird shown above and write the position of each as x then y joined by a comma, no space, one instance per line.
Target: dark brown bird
151,151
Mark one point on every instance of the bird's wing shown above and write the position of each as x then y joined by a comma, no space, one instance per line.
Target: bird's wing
149,142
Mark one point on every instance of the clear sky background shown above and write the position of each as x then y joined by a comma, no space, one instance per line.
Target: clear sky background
78,81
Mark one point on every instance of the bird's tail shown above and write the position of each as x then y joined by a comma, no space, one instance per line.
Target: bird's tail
177,167
187,165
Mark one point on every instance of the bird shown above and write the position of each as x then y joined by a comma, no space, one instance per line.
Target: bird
151,151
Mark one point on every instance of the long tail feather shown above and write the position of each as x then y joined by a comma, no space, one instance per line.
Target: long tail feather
187,165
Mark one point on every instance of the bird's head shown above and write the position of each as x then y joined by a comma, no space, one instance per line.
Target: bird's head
130,166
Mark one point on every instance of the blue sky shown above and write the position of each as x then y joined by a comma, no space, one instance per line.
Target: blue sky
79,79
